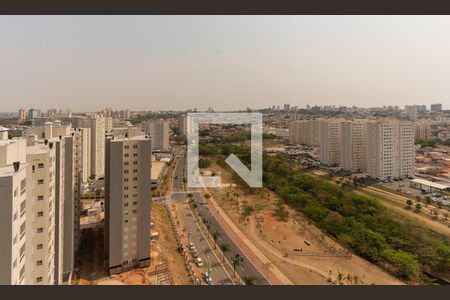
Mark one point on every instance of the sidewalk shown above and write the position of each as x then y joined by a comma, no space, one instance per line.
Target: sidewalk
272,273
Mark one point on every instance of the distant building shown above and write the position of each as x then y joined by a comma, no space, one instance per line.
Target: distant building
436,107
330,141
422,130
159,133
354,145
411,112
391,151
21,116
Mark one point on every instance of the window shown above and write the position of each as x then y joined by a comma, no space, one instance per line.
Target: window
135,154
40,198
126,163
125,221
135,146
16,192
134,203
125,196
134,211
15,216
125,171
23,184
125,180
125,204
39,246
126,155
40,166
40,230
134,170
39,279
127,147
40,214
39,263
40,181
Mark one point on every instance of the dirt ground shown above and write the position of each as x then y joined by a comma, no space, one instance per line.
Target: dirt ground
165,248
299,249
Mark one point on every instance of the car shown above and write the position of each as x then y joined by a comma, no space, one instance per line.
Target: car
194,253
207,278
191,246
408,192
199,262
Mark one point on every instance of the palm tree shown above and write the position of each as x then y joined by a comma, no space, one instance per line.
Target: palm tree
207,196
435,213
249,280
215,236
340,277
445,216
236,261
225,248
418,207
409,203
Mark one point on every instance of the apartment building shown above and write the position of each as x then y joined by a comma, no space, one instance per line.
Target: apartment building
71,206
422,130
127,203
304,132
159,133
390,148
98,128
15,195
182,125
411,112
85,153
354,145
40,260
436,107
330,141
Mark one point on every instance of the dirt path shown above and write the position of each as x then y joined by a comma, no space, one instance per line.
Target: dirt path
398,203
167,246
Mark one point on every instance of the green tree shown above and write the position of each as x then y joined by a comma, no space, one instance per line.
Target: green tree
236,261
418,207
204,163
225,248
281,212
215,235
409,202
405,263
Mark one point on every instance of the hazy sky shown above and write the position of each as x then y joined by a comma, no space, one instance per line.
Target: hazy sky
226,62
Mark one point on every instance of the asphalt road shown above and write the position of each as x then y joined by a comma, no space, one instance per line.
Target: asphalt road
247,269
219,275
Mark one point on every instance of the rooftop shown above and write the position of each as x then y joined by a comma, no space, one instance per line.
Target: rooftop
157,167
8,170
430,184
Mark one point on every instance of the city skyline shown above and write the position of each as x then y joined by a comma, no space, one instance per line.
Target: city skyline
225,62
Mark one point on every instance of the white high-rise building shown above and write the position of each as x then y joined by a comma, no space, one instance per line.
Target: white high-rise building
330,141
391,149
15,195
159,133
98,128
422,130
305,132
411,112
127,203
40,263
354,145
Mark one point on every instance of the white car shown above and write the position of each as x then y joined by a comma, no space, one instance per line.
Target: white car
199,262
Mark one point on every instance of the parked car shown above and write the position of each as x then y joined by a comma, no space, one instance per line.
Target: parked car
191,246
199,262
